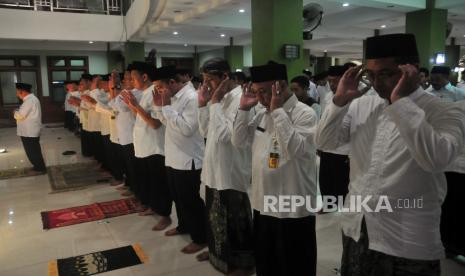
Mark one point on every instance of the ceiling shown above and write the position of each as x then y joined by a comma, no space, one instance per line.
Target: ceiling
202,22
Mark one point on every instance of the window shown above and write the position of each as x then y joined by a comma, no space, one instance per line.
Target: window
18,69
61,69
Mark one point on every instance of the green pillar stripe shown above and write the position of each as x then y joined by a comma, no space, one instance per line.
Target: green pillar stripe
275,23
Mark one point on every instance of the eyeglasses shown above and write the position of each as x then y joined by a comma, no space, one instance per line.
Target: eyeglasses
381,76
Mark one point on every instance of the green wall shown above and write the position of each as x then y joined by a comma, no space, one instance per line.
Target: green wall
429,28
235,57
275,23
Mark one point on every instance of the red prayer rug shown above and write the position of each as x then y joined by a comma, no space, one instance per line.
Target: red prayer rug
86,213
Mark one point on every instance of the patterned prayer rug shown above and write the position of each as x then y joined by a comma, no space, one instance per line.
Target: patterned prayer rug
77,176
86,213
98,262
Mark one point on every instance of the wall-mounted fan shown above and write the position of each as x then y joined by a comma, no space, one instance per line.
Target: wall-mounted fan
312,16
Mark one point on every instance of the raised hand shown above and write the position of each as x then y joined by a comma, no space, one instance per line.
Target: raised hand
157,100
248,99
407,84
277,99
165,96
204,94
220,91
347,89
129,99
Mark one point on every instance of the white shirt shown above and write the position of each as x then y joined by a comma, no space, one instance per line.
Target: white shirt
106,115
105,112
458,165
293,127
84,112
125,118
399,151
75,94
224,166
183,142
312,91
147,140
94,117
29,117
68,107
326,100
449,93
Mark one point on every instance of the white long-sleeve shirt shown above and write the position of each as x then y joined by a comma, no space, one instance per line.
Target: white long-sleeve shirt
104,111
107,124
147,140
29,117
312,91
94,120
84,112
183,143
293,127
449,93
224,166
125,118
458,165
68,107
399,151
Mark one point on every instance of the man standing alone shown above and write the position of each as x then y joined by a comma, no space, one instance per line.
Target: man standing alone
29,121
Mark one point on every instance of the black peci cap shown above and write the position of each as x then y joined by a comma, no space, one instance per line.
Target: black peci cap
272,71
444,70
392,45
23,86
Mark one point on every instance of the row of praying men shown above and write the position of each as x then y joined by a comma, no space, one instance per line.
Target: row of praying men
380,135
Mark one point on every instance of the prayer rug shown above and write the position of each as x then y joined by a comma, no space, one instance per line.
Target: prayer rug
87,213
77,176
98,262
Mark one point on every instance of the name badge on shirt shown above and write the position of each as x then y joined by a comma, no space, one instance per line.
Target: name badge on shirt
273,160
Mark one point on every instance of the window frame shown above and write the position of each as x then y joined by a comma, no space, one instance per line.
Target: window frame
17,68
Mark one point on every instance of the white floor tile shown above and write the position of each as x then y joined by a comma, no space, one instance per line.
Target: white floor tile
25,248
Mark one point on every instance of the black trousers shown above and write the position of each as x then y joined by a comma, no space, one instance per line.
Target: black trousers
86,143
115,159
69,120
129,159
152,188
108,155
34,152
285,246
190,208
452,232
97,148
334,174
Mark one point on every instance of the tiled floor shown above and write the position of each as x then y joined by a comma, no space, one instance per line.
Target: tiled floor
25,248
